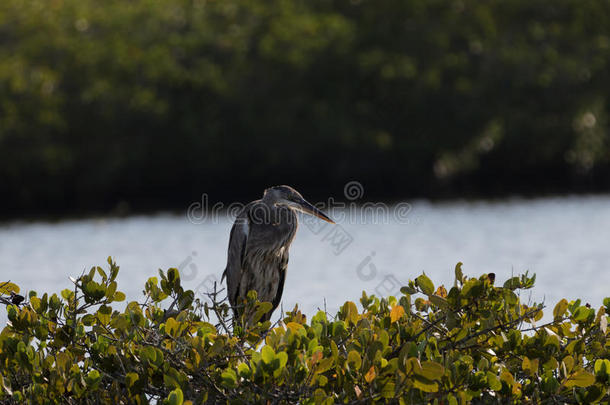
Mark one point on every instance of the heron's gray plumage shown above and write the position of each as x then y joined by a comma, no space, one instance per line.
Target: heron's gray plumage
258,246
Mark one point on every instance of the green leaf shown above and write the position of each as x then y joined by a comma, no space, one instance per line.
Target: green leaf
581,314
88,320
507,377
172,327
93,291
283,357
67,294
111,289
229,378
424,385
261,309
323,365
93,377
529,366
440,302
354,361
175,397
102,273
389,390
425,284
131,379
406,290
431,370
268,354
560,308
35,303
103,314
459,275
512,283
118,296
350,311
602,367
493,381
581,378
186,299
244,370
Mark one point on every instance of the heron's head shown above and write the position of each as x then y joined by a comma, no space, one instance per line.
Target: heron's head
289,197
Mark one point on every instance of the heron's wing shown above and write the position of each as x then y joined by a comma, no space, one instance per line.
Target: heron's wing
237,250
280,287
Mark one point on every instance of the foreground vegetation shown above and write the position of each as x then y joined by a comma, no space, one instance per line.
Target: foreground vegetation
477,341
151,102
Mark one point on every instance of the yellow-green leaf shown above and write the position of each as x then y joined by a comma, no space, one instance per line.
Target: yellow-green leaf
131,379
530,366
560,308
7,288
175,397
229,378
581,378
354,360
493,381
324,365
431,370
602,367
351,312
244,370
295,327
388,390
459,276
118,296
425,385
267,354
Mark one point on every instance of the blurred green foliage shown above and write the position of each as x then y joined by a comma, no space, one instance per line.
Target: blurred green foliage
476,342
153,102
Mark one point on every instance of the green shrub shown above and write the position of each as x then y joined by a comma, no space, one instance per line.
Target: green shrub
475,342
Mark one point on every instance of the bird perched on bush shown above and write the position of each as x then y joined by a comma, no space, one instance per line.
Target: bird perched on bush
259,243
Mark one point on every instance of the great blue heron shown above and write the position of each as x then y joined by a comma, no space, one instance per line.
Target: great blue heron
259,243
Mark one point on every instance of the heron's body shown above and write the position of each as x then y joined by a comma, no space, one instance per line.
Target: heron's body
258,247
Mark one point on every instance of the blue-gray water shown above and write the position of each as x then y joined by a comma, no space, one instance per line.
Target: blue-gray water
565,241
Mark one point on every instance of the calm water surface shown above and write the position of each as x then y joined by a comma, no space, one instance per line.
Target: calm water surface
565,241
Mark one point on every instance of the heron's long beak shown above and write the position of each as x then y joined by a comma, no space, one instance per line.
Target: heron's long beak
306,207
